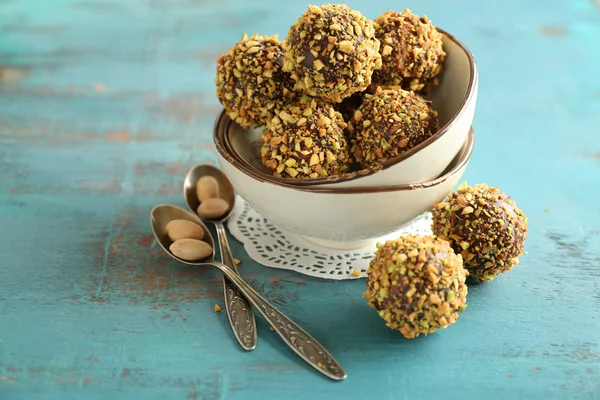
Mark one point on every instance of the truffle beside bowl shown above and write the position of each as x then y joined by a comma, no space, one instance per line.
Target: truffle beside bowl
337,217
454,99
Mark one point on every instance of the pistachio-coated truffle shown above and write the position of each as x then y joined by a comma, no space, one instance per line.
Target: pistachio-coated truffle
411,50
305,140
417,283
250,80
331,52
388,123
485,226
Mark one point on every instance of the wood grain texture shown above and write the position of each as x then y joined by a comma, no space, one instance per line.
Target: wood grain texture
104,105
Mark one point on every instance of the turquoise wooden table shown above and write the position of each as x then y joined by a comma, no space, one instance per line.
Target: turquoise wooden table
104,105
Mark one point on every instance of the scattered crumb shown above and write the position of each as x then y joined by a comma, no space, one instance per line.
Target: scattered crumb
547,210
356,272
237,261
271,328
218,308
99,88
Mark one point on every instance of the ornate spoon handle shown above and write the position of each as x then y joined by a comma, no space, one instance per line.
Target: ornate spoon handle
295,337
238,309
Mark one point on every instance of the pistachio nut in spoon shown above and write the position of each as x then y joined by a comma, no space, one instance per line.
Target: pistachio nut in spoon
238,309
295,337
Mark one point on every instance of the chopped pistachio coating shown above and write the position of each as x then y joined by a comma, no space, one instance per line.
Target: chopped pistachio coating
411,50
331,52
388,123
485,226
305,140
250,80
417,283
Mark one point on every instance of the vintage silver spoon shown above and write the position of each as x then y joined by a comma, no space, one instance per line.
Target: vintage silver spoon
239,311
294,336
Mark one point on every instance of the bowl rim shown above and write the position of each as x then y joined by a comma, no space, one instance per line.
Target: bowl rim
458,163
225,122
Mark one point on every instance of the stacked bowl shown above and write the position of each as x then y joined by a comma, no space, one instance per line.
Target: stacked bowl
353,209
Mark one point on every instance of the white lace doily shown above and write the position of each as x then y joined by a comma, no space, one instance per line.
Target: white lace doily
272,247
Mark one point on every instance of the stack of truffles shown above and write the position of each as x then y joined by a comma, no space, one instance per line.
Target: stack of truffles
341,93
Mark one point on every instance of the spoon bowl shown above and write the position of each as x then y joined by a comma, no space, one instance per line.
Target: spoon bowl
226,191
162,214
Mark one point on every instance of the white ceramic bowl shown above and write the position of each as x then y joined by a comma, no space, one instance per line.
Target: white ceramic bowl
343,218
454,99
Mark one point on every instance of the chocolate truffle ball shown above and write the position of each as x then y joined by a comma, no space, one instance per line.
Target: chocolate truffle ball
388,123
485,226
417,283
250,80
411,50
331,52
305,140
